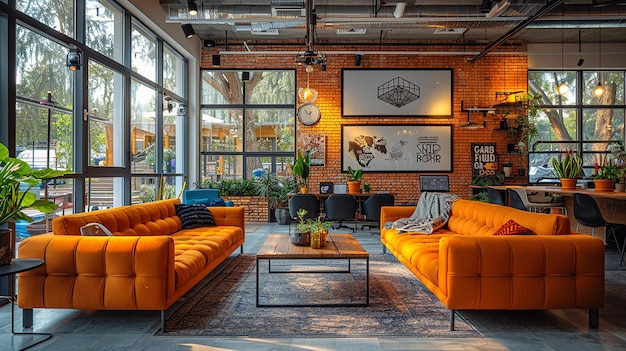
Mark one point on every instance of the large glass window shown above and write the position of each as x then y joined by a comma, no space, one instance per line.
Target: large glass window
247,123
105,116
143,128
105,30
56,14
143,59
579,120
44,127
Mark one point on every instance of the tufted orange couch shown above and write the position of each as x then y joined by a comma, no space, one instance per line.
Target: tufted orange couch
148,263
468,268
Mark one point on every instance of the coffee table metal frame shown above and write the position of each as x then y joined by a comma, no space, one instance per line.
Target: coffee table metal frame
338,247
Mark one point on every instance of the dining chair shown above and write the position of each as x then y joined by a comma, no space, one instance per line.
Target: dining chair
341,207
494,196
532,206
515,200
309,202
587,213
371,208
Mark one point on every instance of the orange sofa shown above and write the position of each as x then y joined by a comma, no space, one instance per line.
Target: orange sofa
469,268
148,263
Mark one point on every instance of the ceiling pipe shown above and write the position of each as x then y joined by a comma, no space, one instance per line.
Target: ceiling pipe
547,8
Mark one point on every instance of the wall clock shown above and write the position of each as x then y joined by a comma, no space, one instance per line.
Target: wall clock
309,114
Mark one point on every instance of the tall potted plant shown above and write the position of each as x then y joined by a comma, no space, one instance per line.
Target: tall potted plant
16,180
302,168
354,180
568,169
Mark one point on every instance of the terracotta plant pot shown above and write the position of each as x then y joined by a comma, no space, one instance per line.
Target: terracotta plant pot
354,187
568,183
604,184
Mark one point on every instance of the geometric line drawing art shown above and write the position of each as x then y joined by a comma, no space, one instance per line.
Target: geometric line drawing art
398,92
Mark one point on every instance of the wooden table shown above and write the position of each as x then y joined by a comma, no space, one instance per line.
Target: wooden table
610,202
338,247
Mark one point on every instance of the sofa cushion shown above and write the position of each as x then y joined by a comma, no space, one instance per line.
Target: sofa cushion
513,228
94,229
194,216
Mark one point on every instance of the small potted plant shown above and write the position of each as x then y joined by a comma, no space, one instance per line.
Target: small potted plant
354,180
302,168
605,177
302,233
568,169
16,180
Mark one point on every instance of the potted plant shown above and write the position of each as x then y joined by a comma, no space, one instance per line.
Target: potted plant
302,168
16,180
302,233
568,169
354,180
277,190
605,177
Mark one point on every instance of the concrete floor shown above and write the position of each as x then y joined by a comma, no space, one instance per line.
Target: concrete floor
502,330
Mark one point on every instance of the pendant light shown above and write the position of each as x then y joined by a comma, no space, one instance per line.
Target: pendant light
562,88
599,90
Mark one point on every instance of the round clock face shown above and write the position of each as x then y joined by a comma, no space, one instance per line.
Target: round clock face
309,114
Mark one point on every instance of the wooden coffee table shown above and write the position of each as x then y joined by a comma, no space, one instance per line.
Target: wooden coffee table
338,247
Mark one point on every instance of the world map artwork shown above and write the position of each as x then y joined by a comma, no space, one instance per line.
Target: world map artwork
363,148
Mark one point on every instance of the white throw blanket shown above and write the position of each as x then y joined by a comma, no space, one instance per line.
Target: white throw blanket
432,212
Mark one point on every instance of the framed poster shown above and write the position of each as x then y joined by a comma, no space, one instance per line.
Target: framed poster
409,92
396,148
484,159
317,144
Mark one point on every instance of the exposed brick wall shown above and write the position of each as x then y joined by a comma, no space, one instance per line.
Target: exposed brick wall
474,83
255,207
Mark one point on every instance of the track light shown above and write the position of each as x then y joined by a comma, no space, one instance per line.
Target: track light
580,61
357,59
193,8
188,30
72,60
399,11
486,6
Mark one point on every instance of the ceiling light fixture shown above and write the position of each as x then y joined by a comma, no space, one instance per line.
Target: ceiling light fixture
193,8
310,57
485,7
562,88
188,30
399,11
307,94
599,90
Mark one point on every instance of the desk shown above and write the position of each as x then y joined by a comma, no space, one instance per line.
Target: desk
610,202
18,265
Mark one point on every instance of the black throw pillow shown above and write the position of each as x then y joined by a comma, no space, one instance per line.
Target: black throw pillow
194,216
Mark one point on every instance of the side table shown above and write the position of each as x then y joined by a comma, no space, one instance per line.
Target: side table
16,266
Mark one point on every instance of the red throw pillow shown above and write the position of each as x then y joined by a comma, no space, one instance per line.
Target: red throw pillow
513,228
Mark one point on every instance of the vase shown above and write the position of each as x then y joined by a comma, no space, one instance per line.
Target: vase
324,237
620,187
354,187
304,190
316,240
5,247
282,215
568,183
508,170
300,238
604,184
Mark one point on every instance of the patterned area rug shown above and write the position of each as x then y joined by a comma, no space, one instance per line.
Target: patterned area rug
399,305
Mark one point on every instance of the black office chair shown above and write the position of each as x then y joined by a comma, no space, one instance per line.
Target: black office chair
587,213
371,207
309,202
494,196
515,200
341,207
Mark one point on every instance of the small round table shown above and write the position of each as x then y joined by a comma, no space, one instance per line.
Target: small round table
18,265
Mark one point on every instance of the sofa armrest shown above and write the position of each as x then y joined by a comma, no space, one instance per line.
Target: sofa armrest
392,213
521,272
233,216
98,272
